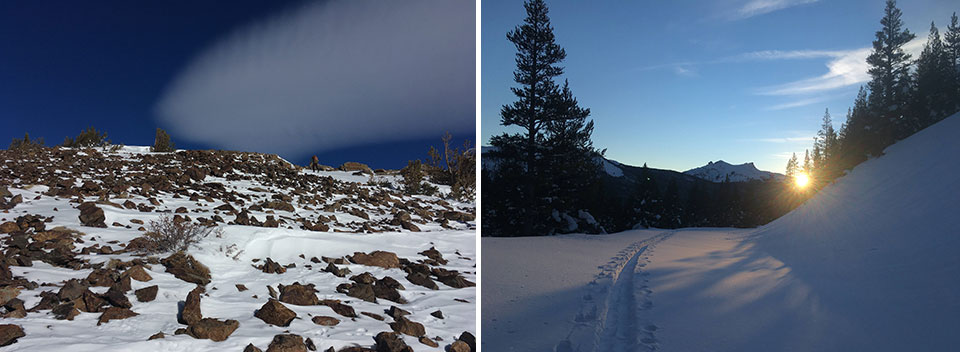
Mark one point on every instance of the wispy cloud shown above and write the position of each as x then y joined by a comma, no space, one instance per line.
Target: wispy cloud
784,140
844,69
760,7
331,74
797,103
684,71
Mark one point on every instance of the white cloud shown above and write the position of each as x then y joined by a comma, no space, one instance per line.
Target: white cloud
760,7
329,75
683,71
785,140
797,103
845,69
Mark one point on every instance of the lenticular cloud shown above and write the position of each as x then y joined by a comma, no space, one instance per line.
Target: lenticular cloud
330,75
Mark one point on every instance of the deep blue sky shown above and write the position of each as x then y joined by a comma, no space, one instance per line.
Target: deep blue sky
67,65
676,84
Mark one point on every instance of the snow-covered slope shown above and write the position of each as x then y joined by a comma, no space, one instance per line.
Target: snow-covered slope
881,245
869,264
720,171
265,208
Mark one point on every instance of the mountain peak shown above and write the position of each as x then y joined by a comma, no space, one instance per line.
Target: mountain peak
720,171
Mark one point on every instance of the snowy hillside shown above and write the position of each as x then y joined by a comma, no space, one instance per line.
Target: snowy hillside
720,171
868,264
325,260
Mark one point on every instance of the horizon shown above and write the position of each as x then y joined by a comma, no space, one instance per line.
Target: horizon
212,76
710,81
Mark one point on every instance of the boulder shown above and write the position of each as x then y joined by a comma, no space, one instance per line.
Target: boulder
340,308
91,215
469,339
212,329
114,313
9,227
325,320
459,346
301,295
376,258
185,268
137,272
391,342
9,334
355,166
287,343
275,313
191,308
251,348
418,278
147,294
408,327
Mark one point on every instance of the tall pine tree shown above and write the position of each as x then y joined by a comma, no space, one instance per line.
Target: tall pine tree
952,47
552,160
825,148
890,82
792,166
935,83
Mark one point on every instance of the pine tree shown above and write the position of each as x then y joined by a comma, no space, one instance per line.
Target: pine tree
856,133
825,148
952,49
890,83
792,166
552,160
935,83
807,166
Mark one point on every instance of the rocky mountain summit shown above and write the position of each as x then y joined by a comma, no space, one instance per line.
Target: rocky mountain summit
295,260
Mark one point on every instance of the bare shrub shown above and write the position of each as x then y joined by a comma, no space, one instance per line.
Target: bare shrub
88,138
168,234
454,167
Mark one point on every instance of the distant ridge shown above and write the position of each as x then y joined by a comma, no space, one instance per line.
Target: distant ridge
721,171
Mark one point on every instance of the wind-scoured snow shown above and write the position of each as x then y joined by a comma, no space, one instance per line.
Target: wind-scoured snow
721,171
868,264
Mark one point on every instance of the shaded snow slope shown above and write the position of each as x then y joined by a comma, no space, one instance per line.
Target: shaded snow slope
720,171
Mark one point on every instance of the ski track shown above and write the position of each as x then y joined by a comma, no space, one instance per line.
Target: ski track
611,313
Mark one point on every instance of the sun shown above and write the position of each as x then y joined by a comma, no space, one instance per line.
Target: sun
801,180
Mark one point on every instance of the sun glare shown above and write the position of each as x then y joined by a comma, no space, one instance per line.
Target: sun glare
801,180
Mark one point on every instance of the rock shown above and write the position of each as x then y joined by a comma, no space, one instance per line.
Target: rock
365,278
458,216
272,292
355,166
91,215
408,327
391,342
287,343
147,294
376,258
65,311
387,287
396,313
212,329
117,298
9,334
339,272
102,278
142,244
363,291
158,335
310,345
191,308
437,314
272,267
456,281
469,339
325,320
9,227
409,226
435,255
114,313
4,192
241,287
185,268
181,210
340,308
374,316
427,341
251,348
90,302
195,174
137,272
274,312
301,295
459,346
421,279
8,293
15,309
278,205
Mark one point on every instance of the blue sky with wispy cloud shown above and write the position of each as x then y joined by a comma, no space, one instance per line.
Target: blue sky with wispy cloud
678,84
